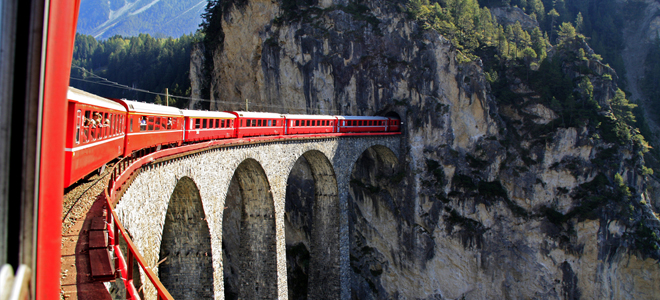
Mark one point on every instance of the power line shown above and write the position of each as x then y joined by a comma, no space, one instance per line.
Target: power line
109,83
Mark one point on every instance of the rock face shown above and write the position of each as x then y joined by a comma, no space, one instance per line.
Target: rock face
469,211
510,15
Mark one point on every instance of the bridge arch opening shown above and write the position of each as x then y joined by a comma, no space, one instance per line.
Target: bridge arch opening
375,202
186,267
248,235
312,229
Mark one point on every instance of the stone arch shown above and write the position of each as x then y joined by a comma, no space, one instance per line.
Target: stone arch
373,202
312,218
186,266
249,235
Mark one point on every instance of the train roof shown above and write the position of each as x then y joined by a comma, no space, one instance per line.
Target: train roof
311,117
361,118
207,114
74,94
142,107
252,114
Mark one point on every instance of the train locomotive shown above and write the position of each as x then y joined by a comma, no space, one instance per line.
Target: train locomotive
101,129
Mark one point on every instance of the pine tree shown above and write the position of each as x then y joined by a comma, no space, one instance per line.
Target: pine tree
579,23
566,33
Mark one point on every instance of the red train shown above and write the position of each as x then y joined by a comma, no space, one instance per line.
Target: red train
104,129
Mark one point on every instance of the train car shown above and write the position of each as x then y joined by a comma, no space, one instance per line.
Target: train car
301,124
362,124
94,136
393,125
208,125
150,125
258,123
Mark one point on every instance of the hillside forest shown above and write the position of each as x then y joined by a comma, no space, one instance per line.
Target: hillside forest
141,62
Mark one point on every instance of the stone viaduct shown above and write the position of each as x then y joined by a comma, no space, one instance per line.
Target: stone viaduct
219,224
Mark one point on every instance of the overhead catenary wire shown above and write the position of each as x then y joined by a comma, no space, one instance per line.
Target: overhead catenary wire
106,82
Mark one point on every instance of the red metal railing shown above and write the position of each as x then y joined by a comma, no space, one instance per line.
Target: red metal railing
125,169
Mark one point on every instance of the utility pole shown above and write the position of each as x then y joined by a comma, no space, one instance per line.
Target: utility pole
246,105
167,97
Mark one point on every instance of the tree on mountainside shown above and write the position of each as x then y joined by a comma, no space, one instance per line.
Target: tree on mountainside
566,33
553,15
141,62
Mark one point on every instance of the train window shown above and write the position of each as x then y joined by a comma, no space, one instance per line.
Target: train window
307,122
157,123
150,123
259,122
254,122
270,123
78,113
222,123
297,122
198,123
204,124
143,123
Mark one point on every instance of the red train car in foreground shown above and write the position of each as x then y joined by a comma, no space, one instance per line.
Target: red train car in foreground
208,125
94,135
151,125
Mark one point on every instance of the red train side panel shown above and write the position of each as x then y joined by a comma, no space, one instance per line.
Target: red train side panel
150,125
258,124
362,124
394,125
94,134
208,125
302,124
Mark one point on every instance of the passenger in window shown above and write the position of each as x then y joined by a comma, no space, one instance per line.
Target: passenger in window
98,119
169,123
143,123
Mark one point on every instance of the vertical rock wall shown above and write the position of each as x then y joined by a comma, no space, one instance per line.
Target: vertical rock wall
468,212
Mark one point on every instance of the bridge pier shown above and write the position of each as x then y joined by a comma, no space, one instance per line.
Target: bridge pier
186,268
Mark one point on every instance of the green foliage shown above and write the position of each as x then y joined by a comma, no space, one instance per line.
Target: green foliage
463,22
142,62
646,238
621,108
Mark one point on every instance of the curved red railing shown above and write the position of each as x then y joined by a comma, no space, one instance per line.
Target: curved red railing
123,171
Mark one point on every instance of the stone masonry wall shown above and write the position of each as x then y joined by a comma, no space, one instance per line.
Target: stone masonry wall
143,207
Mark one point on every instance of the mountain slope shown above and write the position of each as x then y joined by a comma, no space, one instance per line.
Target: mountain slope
160,18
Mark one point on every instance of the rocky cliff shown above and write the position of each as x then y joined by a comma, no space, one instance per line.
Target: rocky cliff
494,197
